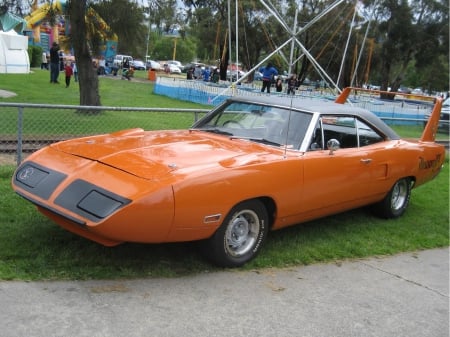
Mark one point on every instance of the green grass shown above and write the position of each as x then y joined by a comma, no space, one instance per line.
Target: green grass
34,248
35,88
416,131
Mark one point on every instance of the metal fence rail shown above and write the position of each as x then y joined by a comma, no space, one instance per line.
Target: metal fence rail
25,128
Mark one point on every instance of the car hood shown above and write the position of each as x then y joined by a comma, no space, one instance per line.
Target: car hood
154,154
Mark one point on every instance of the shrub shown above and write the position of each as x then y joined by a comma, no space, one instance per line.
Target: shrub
35,55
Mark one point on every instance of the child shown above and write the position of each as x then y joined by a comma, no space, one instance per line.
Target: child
279,84
292,83
128,73
69,72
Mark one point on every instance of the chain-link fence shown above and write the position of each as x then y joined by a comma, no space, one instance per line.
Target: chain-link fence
24,128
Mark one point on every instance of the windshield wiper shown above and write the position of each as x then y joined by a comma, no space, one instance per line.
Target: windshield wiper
215,130
259,140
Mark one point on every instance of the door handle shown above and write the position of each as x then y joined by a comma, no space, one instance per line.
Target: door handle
366,161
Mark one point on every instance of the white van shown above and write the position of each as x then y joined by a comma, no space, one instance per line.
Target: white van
119,59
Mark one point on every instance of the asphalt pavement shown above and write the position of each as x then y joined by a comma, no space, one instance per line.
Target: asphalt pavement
402,295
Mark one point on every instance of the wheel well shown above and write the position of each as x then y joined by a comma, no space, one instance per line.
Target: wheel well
271,208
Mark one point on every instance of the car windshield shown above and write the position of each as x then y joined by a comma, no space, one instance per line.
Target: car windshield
259,123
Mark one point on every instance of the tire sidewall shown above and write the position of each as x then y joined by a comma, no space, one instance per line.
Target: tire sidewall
385,208
218,243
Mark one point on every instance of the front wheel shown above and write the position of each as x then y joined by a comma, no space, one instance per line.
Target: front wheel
240,237
396,201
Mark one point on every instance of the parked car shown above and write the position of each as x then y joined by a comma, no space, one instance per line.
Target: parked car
139,65
444,118
258,76
177,64
193,65
404,90
232,75
253,164
444,123
153,65
173,69
284,76
120,59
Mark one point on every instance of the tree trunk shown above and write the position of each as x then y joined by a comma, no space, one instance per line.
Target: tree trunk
223,65
88,80
385,78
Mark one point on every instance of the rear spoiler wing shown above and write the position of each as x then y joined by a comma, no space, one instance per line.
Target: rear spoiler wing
429,133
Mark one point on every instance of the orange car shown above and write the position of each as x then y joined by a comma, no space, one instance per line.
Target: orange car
250,165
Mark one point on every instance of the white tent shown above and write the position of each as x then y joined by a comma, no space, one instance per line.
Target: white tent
14,53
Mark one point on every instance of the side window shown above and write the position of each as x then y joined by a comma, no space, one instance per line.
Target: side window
367,135
341,128
348,130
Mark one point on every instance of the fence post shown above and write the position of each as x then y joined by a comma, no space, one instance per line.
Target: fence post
19,135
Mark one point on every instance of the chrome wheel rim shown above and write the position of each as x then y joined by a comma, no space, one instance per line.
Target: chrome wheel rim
399,195
242,233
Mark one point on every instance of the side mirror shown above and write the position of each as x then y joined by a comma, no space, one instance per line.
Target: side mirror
333,145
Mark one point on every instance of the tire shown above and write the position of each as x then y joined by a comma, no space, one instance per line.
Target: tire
240,237
396,201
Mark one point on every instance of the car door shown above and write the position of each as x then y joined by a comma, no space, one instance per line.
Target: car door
347,176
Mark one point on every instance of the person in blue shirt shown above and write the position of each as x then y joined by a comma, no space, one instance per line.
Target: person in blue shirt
268,73
206,73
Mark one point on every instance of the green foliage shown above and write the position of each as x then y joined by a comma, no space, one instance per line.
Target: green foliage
433,77
413,44
126,20
165,48
35,56
403,32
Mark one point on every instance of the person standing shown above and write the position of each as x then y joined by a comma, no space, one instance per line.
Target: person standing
215,76
190,74
206,74
62,63
292,83
279,84
101,66
198,72
44,64
269,72
75,72
69,72
54,63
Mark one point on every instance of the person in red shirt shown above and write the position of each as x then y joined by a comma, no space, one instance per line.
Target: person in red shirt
69,72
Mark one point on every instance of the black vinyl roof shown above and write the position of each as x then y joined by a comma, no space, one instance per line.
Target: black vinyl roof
322,107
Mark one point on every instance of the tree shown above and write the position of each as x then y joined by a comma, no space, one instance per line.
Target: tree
260,32
89,89
163,48
126,19
410,34
14,6
207,22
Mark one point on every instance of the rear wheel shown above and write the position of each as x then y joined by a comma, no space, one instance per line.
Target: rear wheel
396,201
240,237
